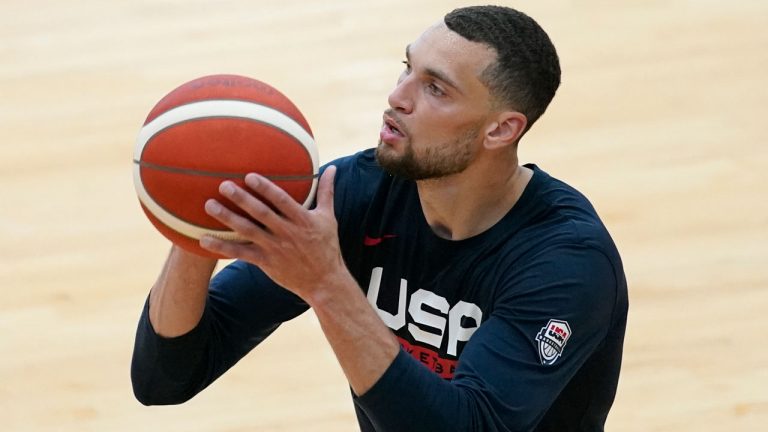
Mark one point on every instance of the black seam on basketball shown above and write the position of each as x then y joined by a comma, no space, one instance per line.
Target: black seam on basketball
193,224
307,153
189,171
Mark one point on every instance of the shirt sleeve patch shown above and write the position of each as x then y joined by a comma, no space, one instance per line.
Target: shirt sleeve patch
552,339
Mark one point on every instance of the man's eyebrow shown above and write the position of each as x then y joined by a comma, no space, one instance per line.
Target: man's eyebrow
433,72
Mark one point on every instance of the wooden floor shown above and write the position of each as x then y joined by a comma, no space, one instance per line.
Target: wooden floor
661,121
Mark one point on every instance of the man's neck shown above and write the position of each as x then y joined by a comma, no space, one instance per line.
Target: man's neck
466,204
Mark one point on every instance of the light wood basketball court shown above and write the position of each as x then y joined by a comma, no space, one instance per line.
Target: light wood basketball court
660,121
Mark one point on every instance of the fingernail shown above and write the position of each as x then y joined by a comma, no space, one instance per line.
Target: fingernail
227,188
206,241
212,207
253,180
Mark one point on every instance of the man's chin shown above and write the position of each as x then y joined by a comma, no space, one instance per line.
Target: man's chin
386,157
384,152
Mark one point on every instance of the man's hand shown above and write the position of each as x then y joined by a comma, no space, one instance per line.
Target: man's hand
297,248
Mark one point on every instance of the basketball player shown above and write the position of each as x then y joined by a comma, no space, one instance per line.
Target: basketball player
460,290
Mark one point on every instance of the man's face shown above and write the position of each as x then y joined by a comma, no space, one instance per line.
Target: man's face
439,109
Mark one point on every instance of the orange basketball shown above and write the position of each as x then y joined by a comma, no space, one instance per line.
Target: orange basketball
217,128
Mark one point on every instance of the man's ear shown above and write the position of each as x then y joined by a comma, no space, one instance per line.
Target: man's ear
507,129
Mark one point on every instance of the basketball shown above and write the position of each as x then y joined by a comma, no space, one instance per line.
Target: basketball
211,129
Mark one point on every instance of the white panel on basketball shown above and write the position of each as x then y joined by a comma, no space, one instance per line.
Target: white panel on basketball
227,108
207,109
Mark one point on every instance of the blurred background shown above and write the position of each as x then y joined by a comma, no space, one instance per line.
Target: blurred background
659,121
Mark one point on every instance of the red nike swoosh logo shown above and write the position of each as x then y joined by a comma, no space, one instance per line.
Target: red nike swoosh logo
373,241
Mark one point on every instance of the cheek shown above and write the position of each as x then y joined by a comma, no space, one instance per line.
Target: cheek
441,122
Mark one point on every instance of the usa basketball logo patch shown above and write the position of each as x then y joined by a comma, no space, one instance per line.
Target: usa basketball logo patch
552,339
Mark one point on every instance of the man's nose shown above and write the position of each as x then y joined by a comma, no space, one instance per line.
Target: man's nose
401,99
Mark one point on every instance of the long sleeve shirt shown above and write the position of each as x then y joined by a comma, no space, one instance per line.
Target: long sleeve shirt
519,328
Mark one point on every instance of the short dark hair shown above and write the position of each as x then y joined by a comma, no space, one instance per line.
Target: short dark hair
526,73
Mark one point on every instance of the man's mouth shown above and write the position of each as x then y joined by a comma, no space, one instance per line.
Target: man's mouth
392,132
392,126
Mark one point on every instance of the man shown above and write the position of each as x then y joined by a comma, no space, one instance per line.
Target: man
458,289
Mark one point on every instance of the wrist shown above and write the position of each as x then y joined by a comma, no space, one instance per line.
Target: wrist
334,284
179,254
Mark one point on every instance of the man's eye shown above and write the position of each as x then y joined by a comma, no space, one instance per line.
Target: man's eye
435,90
407,65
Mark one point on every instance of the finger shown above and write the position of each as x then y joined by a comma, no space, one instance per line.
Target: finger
257,209
239,224
325,189
284,203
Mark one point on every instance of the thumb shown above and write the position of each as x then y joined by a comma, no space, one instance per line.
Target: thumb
325,189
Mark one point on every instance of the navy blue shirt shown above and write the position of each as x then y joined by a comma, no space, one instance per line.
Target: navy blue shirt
519,328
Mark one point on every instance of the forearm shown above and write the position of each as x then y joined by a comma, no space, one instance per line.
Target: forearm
241,307
177,300
411,398
363,345
397,393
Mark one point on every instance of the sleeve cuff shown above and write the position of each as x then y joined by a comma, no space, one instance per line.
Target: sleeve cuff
174,354
397,401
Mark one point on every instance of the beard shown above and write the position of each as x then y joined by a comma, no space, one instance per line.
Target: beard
434,162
